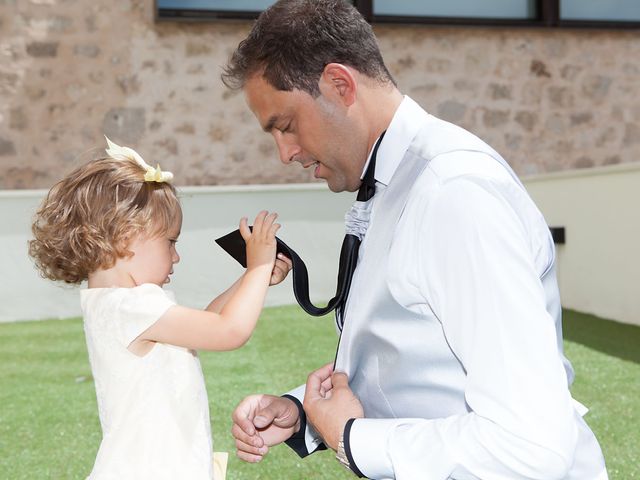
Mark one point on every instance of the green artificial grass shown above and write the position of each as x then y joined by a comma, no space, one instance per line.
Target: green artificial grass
49,427
606,358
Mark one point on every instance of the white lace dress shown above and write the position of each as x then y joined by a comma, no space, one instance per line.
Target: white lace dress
153,409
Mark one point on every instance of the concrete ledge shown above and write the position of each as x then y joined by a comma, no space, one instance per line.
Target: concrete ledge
599,266
312,219
565,175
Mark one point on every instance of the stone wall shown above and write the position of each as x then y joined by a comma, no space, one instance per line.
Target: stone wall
71,70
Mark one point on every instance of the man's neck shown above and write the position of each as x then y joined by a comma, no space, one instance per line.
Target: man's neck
381,104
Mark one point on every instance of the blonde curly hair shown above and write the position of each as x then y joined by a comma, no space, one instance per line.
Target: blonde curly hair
88,219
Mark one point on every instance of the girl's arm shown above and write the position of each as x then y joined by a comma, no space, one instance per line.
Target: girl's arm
240,305
221,300
280,270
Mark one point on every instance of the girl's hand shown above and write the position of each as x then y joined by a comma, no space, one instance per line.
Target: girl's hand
281,269
261,241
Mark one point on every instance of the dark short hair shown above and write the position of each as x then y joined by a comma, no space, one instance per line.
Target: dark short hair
293,40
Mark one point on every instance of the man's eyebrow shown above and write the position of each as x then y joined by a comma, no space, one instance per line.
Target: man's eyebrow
271,122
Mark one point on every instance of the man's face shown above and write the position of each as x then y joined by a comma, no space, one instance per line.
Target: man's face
315,132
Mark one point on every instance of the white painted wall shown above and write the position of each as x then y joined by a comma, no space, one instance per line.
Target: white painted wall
599,267
312,219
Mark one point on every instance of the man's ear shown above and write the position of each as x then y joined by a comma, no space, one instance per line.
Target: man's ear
338,81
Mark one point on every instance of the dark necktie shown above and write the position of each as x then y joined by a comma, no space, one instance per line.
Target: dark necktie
234,245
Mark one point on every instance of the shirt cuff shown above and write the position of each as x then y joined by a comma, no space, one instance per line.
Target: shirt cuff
347,447
306,441
367,442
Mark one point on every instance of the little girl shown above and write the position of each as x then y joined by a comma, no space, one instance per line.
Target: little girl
115,222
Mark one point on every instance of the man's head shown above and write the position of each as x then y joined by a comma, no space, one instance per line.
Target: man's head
314,77
293,40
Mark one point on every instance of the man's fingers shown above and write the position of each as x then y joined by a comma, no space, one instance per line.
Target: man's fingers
250,449
280,266
250,457
262,421
253,441
316,379
280,269
327,384
244,423
339,379
286,260
244,413
274,413
325,371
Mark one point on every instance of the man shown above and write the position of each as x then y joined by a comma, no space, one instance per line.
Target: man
450,360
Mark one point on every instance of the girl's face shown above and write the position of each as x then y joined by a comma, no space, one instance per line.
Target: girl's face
153,257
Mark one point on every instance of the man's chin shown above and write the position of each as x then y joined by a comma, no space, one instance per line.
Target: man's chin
333,188
342,188
339,187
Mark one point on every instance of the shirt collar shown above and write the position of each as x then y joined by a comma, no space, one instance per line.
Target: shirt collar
400,133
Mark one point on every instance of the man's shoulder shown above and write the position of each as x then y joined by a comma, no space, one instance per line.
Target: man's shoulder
437,138
460,164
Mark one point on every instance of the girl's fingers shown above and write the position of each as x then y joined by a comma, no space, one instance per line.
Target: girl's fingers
263,226
269,222
259,221
244,229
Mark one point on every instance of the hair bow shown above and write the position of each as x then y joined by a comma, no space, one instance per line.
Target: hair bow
125,153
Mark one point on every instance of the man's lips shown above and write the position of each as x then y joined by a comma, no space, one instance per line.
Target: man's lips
311,164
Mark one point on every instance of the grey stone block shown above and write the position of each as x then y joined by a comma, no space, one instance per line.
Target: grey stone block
7,147
42,49
124,124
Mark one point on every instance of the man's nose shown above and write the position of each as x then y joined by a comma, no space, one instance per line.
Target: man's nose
287,149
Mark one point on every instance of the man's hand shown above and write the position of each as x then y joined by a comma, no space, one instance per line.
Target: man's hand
280,269
329,403
261,421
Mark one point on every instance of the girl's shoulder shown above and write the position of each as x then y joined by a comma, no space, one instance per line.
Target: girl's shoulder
128,300
123,313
